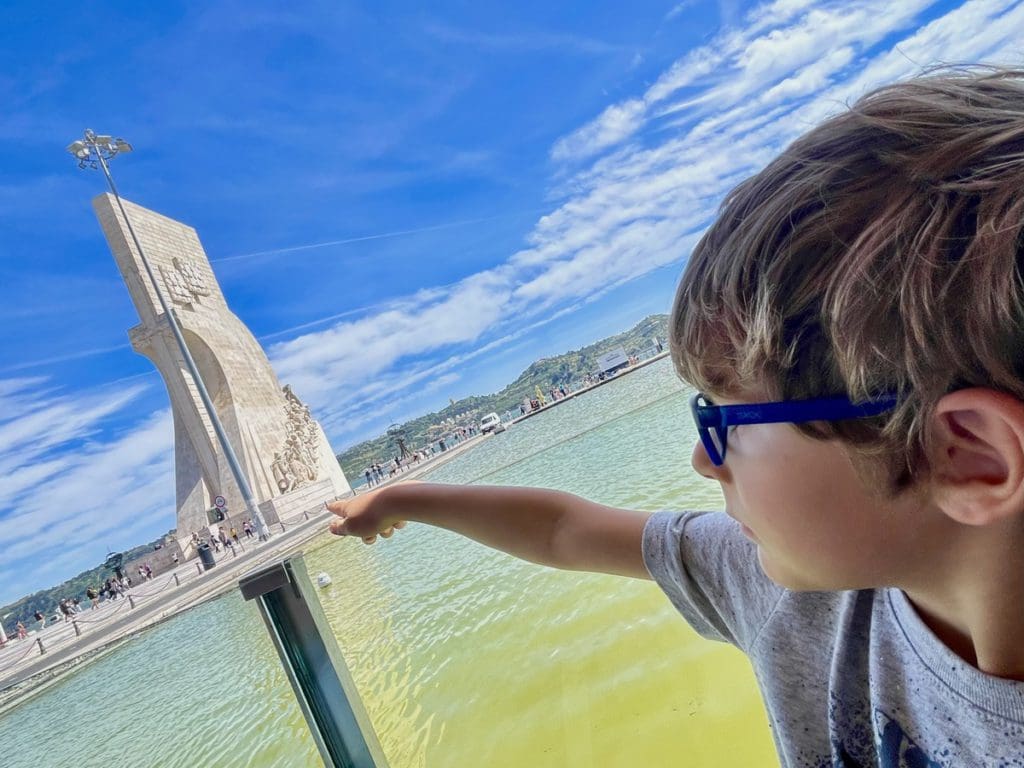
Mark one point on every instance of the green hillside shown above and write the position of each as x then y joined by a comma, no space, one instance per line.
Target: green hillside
569,369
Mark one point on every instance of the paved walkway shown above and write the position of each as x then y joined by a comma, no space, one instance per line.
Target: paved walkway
49,652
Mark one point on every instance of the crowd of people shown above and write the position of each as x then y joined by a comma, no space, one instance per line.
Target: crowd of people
117,586
377,472
224,538
68,607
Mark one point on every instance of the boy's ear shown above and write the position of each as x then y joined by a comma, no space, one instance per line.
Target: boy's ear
977,456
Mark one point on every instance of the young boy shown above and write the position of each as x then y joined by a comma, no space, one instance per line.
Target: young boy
855,321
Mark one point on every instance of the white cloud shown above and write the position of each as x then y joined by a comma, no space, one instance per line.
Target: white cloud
615,124
641,206
65,488
779,40
661,162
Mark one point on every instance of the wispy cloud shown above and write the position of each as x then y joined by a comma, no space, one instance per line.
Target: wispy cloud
779,40
366,238
533,40
679,8
714,117
79,355
63,481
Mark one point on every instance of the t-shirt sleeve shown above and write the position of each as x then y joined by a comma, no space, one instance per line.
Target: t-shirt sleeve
710,572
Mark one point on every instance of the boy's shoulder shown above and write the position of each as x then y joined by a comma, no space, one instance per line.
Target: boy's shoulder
710,572
852,675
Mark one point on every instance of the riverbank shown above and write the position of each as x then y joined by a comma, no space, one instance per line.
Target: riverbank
583,390
30,666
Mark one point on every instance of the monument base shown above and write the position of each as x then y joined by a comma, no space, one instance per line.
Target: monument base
288,507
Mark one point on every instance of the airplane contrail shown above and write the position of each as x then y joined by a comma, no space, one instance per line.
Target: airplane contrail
364,238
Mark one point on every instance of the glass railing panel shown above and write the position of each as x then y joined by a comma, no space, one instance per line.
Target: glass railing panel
204,688
468,657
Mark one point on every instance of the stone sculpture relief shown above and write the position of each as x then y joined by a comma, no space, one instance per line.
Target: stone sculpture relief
185,281
176,286
192,275
296,464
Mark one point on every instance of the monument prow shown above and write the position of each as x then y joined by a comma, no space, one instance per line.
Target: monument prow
282,449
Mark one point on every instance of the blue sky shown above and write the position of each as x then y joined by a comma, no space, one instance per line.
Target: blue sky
405,203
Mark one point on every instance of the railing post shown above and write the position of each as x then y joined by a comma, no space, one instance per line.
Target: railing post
306,515
177,581
78,632
199,569
308,649
41,649
131,602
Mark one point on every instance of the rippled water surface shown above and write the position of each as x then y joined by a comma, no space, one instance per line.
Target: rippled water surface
464,656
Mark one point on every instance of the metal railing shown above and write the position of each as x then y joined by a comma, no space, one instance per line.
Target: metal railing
314,665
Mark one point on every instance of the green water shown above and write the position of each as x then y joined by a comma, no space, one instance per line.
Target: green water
464,657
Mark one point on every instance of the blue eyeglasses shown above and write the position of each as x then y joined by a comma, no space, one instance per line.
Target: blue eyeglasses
713,421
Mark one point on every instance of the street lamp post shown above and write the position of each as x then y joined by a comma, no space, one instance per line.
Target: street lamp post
93,152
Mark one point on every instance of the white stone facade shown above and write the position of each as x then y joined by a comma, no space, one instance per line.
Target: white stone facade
280,447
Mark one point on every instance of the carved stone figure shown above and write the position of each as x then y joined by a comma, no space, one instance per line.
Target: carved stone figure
300,445
282,473
300,471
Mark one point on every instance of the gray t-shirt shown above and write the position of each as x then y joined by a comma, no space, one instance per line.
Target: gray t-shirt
848,678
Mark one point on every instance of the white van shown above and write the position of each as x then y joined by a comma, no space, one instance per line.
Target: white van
489,423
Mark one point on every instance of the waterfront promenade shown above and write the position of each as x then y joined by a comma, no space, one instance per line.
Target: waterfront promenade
28,666
590,387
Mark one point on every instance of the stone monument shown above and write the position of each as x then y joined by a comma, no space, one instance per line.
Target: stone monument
282,449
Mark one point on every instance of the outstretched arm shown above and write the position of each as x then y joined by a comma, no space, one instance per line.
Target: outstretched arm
547,527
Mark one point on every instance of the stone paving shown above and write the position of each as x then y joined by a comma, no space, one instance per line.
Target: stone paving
24,664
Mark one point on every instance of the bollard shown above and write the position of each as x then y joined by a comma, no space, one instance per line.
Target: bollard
78,632
283,529
177,581
41,649
199,569
131,602
306,515
235,554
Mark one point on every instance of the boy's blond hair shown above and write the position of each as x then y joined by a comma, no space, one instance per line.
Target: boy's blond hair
879,253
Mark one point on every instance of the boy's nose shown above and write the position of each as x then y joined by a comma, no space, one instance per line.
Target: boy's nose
703,465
